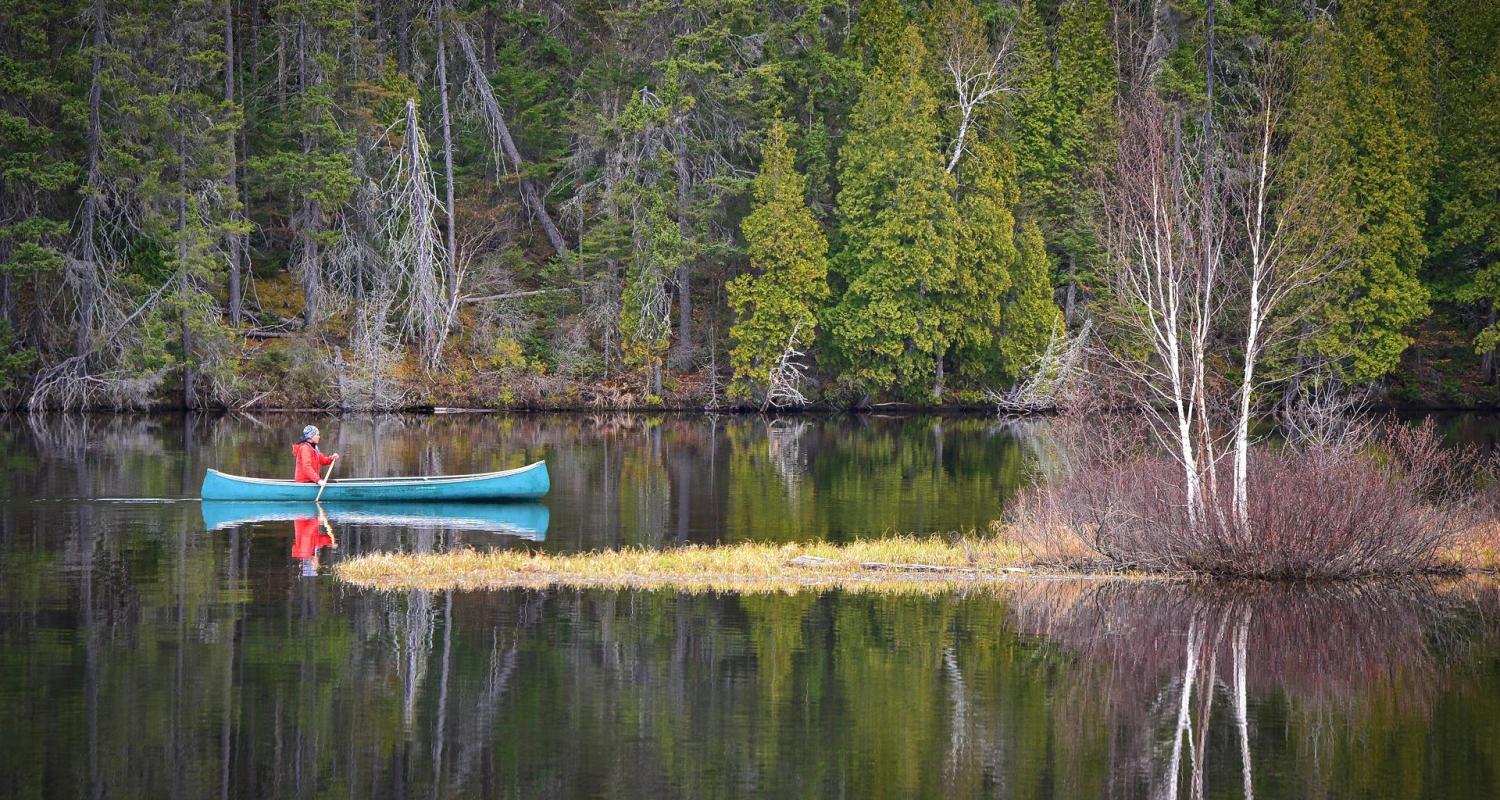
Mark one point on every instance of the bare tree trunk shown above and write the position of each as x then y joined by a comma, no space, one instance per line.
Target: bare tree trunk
684,284
89,254
452,211
234,237
185,281
489,105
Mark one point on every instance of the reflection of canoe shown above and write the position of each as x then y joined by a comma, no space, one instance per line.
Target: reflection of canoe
517,519
526,483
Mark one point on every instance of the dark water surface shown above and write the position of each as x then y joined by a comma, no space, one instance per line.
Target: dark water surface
144,655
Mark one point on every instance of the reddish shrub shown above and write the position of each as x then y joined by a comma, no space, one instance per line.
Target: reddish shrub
1321,512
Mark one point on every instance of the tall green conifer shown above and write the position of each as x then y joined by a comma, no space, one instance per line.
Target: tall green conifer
1363,115
1063,127
774,306
1031,316
899,314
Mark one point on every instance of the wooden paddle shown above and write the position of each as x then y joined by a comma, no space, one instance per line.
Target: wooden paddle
324,484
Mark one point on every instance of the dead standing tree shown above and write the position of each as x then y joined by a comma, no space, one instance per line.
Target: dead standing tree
414,246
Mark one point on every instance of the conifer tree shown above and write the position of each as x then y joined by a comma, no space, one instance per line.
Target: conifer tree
1031,316
774,305
1363,115
987,202
1465,257
1063,126
878,29
645,304
899,313
38,60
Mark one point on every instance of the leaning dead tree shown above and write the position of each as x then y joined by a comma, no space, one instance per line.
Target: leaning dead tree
785,380
977,69
1051,378
494,120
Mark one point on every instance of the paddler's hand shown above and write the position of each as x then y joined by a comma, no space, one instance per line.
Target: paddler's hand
335,456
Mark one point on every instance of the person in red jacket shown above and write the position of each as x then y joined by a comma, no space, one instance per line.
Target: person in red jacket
310,460
310,535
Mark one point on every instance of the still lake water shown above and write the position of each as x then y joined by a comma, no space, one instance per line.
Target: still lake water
152,647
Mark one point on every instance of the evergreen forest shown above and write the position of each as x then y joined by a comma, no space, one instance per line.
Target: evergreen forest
371,204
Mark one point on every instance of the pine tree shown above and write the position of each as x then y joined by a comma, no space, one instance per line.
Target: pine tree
774,305
1363,116
898,315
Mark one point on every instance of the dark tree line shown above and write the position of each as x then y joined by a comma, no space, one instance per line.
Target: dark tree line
368,203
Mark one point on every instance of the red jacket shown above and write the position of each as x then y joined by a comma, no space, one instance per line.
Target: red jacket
309,538
309,463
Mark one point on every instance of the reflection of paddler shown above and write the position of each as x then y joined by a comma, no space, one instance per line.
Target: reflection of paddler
310,536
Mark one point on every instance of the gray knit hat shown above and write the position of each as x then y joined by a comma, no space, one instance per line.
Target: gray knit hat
308,432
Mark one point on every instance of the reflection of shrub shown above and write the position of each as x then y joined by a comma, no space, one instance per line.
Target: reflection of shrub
1323,512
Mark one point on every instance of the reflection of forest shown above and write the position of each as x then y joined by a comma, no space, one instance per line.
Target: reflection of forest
621,479
140,656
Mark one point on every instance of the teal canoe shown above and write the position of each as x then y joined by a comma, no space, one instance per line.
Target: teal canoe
524,520
525,483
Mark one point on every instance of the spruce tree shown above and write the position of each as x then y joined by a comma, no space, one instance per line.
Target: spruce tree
1362,117
774,305
899,312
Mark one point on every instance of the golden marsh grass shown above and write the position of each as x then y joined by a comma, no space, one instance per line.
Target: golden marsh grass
891,564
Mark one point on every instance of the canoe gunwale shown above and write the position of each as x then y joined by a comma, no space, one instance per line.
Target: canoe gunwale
418,480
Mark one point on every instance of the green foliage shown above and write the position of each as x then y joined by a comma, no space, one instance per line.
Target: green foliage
645,307
1063,127
1363,117
16,362
987,254
899,262
774,306
1031,317
638,124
